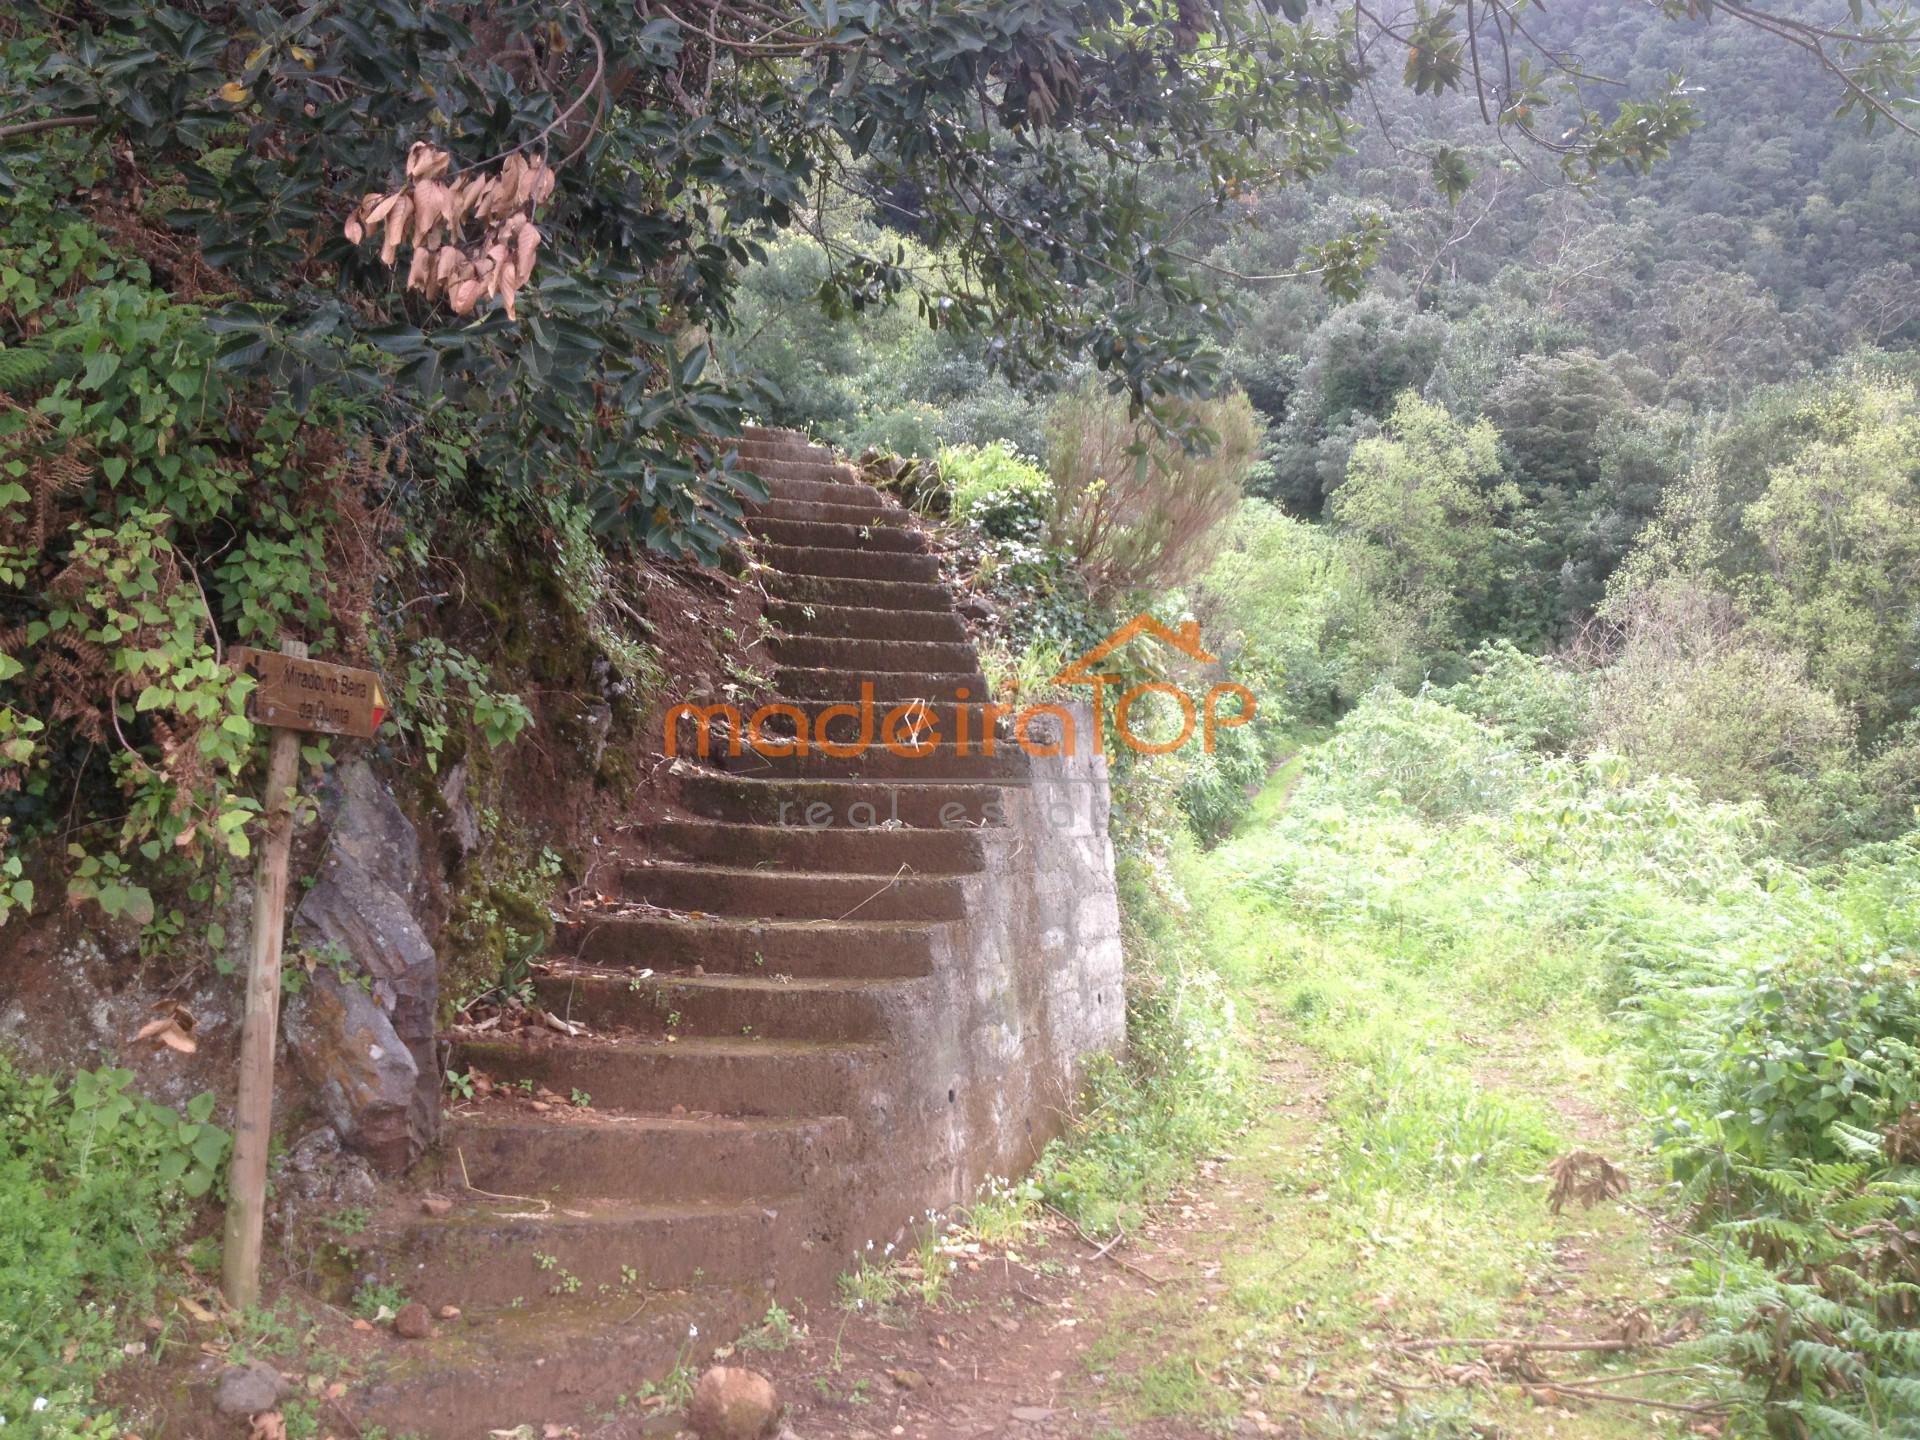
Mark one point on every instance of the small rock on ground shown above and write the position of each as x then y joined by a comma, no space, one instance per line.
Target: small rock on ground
413,1322
246,1390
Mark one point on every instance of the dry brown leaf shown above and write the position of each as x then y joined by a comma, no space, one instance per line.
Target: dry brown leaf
197,1310
174,1028
427,162
397,219
268,1425
432,207
1586,1176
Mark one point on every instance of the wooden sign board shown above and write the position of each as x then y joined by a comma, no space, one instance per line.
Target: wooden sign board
299,694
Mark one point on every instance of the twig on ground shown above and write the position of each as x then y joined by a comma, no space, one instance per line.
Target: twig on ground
893,881
1520,1343
545,1205
1104,1251
1705,1407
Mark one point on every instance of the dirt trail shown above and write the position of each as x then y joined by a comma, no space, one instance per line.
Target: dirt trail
1169,1333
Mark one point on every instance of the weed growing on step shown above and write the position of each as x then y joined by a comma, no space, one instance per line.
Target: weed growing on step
96,1186
1002,1213
378,1300
580,1099
460,1084
776,1332
873,1283
347,1222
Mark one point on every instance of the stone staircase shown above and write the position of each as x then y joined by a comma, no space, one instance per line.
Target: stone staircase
747,1041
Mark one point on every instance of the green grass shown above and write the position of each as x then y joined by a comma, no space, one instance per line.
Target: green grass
96,1185
1475,958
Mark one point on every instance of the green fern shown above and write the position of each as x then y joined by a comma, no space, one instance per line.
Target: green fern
26,367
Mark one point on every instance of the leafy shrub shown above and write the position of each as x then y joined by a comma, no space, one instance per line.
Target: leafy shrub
1132,506
1217,788
1689,687
95,1184
1000,494
1537,702
1418,752
1774,1059
1291,608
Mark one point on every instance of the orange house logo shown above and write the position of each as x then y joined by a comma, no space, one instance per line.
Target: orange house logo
1206,715
918,729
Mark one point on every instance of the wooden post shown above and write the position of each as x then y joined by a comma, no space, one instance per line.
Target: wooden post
253,1109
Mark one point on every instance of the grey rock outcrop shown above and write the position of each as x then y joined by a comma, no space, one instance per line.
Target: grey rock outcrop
362,1032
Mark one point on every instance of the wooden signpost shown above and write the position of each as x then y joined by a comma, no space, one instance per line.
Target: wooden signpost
293,694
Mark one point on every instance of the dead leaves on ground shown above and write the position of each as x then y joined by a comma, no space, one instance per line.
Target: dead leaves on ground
174,1028
437,217
1586,1176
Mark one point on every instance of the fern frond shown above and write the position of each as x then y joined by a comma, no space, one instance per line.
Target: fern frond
28,367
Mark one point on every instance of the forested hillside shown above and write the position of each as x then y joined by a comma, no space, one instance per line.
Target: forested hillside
1577,563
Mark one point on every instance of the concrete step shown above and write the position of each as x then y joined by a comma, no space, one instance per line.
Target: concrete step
825,471
853,622
855,804
851,564
660,1157
497,1253
847,722
887,687
801,948
837,535
777,1007
731,1076
782,847
566,1361
866,657
786,446
831,492
880,512
792,895
879,762
844,592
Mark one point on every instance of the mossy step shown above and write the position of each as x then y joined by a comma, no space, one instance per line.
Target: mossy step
854,804
728,1076
870,656
755,946
525,1251
838,534
506,1147
865,622
853,564
782,847
774,1006
897,596
791,895
942,762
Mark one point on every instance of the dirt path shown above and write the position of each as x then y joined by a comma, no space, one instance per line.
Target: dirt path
1256,1303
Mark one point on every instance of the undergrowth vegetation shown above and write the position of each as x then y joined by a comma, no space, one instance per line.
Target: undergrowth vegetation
1765,1014
96,1187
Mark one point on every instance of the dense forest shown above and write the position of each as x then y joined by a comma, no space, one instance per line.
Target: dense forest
1524,402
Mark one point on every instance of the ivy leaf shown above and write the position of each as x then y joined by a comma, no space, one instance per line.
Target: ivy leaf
1451,173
